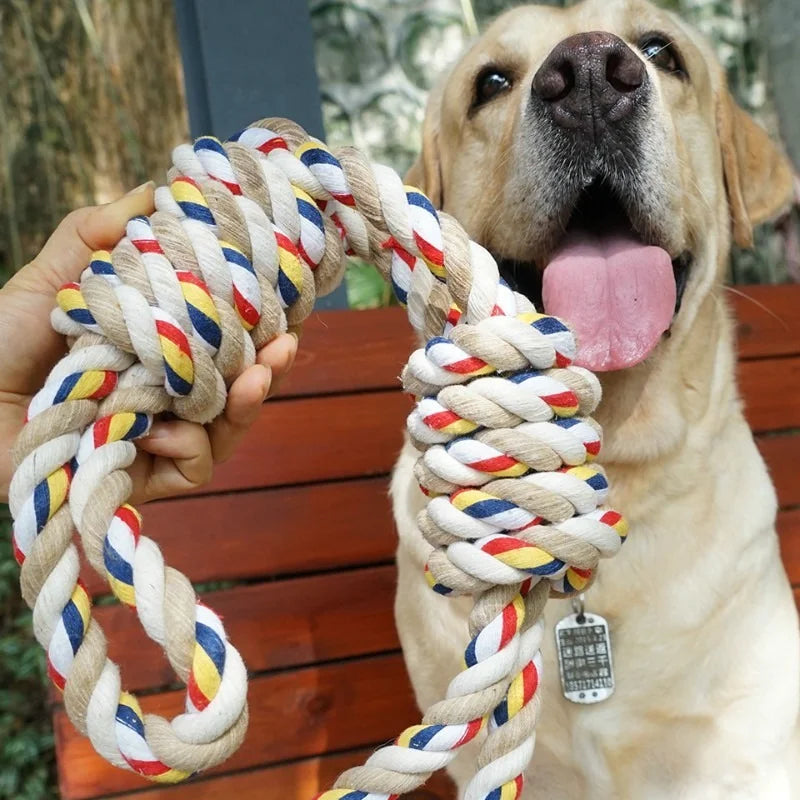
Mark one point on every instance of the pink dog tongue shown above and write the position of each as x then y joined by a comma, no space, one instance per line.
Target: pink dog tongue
617,294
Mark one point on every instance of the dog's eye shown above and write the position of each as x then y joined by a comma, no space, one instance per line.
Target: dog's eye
490,83
660,51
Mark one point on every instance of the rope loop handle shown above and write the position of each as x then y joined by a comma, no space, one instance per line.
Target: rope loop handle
244,237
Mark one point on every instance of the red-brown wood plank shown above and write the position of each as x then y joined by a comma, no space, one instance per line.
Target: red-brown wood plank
300,780
309,528
345,351
301,621
768,323
379,341
310,439
272,532
278,624
781,454
789,530
297,441
771,392
314,439
293,715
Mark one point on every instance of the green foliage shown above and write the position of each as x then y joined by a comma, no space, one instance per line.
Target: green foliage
26,739
365,286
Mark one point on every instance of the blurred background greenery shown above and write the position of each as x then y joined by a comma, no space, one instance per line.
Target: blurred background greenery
92,101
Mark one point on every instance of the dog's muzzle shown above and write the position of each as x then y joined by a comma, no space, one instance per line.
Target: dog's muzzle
604,266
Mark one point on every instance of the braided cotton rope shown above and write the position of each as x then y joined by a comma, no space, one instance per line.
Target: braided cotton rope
242,240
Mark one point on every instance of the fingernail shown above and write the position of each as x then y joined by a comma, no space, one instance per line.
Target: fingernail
158,431
143,188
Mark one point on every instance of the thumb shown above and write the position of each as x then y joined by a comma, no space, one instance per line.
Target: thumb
67,251
104,226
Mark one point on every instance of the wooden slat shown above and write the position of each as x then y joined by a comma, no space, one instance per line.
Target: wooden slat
781,454
789,530
771,392
275,625
345,351
768,325
300,780
309,440
253,534
272,532
768,320
301,621
293,715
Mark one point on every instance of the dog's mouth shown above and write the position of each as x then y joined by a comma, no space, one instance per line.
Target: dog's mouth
609,278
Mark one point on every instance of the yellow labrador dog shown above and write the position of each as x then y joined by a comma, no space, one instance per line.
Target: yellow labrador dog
597,153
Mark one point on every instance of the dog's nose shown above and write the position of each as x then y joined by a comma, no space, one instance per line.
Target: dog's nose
589,80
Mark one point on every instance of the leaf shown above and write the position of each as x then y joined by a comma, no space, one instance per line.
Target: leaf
365,286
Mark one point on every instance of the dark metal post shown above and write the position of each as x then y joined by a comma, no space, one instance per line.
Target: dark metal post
248,59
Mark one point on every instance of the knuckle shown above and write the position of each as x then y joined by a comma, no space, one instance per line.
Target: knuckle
78,216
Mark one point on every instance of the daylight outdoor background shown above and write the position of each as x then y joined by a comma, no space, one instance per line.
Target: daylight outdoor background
91,103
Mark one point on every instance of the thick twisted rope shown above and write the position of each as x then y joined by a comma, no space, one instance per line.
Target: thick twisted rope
516,513
242,240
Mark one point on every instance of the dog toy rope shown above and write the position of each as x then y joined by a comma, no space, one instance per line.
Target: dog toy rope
242,240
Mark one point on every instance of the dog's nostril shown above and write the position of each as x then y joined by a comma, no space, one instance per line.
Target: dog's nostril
624,71
555,83
590,81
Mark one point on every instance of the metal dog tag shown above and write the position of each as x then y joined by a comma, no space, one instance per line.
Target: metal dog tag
584,656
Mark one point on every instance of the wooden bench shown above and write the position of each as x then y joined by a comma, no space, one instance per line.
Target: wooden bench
296,534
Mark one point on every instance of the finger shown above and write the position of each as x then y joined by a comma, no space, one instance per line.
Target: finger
66,253
105,225
279,356
182,459
245,398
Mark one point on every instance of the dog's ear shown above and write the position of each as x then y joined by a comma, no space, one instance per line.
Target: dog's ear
759,178
426,172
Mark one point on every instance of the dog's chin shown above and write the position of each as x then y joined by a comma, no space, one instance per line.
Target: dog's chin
618,285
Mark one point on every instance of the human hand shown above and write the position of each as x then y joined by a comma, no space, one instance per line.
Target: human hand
176,456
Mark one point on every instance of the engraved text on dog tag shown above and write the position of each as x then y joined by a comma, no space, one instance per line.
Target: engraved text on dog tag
584,657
